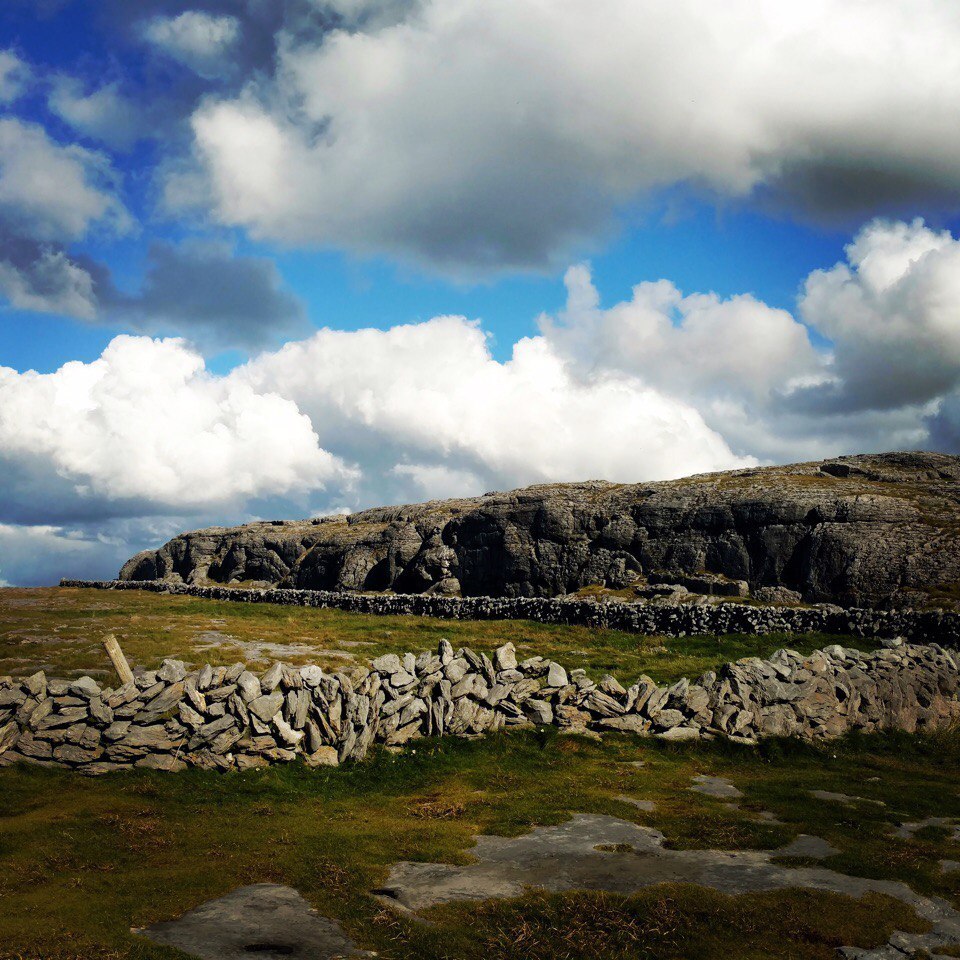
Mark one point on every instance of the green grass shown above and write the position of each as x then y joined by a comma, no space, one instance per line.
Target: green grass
673,921
82,861
60,631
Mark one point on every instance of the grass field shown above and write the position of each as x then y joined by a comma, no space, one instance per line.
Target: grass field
60,631
82,861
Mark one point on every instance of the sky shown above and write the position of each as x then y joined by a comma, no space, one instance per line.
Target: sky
282,258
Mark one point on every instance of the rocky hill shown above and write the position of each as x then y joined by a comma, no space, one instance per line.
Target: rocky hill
872,530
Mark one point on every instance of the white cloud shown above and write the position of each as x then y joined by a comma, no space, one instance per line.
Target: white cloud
198,40
52,195
103,114
889,315
419,481
15,75
50,192
431,395
477,136
146,427
893,314
697,345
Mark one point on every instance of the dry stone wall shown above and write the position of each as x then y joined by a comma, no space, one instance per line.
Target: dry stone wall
229,718
667,619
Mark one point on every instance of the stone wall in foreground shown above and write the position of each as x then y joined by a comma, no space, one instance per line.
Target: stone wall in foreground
230,718
674,619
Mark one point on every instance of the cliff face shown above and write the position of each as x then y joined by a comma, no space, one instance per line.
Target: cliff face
874,530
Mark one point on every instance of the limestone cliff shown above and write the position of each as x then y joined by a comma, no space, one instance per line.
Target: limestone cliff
872,530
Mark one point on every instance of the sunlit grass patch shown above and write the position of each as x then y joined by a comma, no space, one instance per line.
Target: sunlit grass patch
61,632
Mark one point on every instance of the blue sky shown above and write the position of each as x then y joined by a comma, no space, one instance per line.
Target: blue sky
501,244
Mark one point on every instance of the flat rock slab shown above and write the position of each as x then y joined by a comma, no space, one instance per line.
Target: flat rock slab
813,848
648,806
768,817
264,921
595,852
844,798
906,830
714,787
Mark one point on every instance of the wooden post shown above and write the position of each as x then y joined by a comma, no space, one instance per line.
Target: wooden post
118,659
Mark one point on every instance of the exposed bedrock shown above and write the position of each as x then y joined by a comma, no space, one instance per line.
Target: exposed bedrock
871,530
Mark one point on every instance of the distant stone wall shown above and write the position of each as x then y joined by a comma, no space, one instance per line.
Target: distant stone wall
228,718
928,626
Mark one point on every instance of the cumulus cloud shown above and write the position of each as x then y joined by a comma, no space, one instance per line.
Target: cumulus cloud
198,40
892,312
477,136
428,403
103,114
15,75
144,429
50,196
50,192
882,378
699,345
370,14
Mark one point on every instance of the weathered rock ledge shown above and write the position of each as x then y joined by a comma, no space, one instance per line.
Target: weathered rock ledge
228,718
671,620
879,530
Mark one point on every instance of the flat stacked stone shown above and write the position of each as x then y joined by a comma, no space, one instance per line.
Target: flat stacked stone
229,718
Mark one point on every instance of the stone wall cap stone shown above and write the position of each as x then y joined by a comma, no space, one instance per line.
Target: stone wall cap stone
85,687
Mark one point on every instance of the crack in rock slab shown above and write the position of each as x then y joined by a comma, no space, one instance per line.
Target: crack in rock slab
264,921
566,857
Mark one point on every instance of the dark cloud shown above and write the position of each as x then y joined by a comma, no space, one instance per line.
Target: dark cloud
45,278
205,292
840,192
944,426
199,290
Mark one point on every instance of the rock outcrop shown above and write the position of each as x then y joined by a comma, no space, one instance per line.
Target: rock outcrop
229,718
875,530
